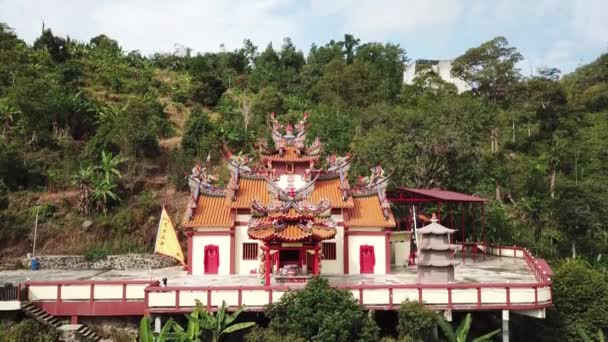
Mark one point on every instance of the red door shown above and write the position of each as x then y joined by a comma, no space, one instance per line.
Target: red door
367,259
212,259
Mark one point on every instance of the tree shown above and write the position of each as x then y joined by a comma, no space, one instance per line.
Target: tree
462,332
320,312
415,321
490,69
578,208
580,301
83,179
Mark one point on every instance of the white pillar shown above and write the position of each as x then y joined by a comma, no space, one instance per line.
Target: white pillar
505,325
157,324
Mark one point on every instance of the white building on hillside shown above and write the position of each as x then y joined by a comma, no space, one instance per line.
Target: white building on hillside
443,67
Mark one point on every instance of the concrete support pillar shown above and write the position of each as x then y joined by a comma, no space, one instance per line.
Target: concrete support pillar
157,324
505,325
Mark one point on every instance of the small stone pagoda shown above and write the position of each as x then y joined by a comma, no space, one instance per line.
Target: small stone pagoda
435,262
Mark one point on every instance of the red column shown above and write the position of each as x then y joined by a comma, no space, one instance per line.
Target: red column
267,265
473,218
190,246
439,213
462,229
387,251
232,252
315,269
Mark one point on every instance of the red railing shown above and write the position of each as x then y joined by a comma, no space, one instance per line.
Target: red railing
540,269
91,306
123,306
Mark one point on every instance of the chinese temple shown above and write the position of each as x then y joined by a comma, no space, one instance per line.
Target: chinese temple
290,216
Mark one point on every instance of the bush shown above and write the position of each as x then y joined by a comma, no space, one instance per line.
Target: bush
580,299
415,321
259,334
96,254
27,330
322,313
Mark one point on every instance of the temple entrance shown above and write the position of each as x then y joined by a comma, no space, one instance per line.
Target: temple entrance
212,259
367,259
289,258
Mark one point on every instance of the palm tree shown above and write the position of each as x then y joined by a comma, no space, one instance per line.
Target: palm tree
462,332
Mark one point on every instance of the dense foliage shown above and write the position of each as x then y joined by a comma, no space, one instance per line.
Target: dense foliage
321,313
415,321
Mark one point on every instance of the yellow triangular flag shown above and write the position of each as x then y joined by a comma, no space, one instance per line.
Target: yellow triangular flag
166,239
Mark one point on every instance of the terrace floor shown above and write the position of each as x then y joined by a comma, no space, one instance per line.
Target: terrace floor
491,270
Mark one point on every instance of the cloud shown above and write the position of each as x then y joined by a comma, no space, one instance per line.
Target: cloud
589,20
156,25
378,19
426,28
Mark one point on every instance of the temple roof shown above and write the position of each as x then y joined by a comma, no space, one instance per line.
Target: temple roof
367,212
210,211
250,189
330,189
289,155
291,232
435,228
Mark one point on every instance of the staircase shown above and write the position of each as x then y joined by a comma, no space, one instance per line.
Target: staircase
83,332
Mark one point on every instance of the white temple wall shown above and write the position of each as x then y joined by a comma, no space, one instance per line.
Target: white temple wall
240,237
198,253
335,266
354,244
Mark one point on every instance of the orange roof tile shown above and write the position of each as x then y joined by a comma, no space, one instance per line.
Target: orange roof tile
330,190
290,155
250,189
211,211
367,212
292,232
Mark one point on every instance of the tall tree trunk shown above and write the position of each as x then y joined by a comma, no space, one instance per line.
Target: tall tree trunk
552,182
573,249
498,194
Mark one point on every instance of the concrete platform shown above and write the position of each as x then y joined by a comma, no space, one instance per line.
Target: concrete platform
491,270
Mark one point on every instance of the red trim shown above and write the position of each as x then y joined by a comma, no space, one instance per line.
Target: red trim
345,241
190,252
387,253
370,233
232,252
211,233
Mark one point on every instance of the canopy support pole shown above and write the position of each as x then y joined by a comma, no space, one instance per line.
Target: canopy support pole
462,212
483,230
472,207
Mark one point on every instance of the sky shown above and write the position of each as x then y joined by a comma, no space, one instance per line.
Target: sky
549,33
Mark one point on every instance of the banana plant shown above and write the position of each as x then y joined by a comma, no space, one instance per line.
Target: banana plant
221,323
147,335
600,336
462,332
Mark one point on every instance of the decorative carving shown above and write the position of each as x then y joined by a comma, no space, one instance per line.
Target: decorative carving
199,180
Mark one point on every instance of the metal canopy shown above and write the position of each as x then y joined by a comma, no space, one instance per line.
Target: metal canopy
412,195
